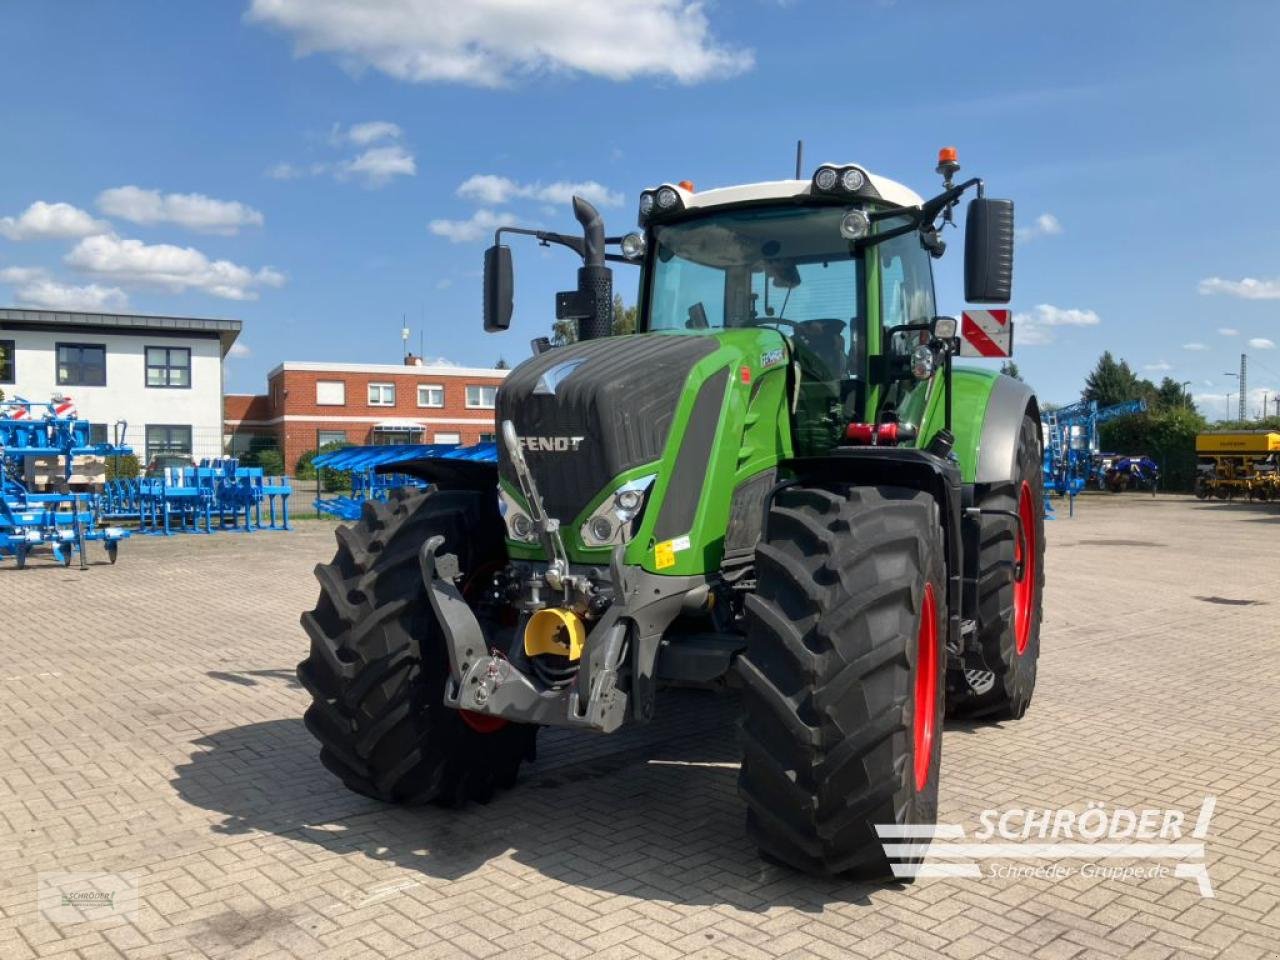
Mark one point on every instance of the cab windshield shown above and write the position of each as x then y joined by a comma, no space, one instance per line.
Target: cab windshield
782,267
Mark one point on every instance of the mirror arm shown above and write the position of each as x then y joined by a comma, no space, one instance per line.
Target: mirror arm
544,237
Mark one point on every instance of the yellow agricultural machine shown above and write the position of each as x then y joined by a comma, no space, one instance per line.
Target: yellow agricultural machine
1238,463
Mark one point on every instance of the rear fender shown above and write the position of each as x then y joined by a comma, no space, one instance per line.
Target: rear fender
1011,400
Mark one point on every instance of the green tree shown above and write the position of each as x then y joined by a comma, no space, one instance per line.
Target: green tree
624,317
502,364
564,332
1010,369
269,459
624,321
1166,434
1170,395
329,479
1113,382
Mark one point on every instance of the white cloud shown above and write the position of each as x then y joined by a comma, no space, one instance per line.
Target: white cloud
1194,346
1247,288
194,211
383,159
377,165
134,263
1159,367
480,223
1224,406
1262,343
493,43
444,283
1034,329
286,171
491,189
34,287
50,221
1229,331
1045,225
239,349
371,131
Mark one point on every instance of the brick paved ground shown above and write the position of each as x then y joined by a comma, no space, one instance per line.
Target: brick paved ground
149,724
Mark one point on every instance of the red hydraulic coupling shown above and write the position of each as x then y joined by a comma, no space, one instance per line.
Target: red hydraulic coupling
878,434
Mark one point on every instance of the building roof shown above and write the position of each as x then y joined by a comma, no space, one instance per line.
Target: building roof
225,330
388,369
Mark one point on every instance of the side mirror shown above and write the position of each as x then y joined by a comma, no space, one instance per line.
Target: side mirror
499,284
988,251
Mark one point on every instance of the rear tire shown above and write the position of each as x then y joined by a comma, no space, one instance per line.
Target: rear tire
844,676
1009,613
378,664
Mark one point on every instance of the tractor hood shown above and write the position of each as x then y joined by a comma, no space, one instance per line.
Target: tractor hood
698,413
590,411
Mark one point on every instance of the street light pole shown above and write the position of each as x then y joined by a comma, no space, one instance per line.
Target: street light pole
1186,397
1236,376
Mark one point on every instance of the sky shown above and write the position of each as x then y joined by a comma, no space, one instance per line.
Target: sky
322,169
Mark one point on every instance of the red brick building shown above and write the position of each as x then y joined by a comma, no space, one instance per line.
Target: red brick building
310,404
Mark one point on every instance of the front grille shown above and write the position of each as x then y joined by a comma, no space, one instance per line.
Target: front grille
620,399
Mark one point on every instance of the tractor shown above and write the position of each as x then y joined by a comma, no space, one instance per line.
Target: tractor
776,485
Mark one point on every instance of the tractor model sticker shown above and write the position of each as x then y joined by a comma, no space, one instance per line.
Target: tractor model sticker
771,358
986,333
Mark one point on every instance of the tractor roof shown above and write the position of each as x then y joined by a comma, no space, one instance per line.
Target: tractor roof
890,191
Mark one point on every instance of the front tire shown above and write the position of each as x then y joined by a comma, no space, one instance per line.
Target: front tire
378,665
844,676
1009,611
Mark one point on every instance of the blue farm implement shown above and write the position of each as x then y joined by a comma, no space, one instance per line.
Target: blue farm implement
216,495
62,521
1072,462
373,475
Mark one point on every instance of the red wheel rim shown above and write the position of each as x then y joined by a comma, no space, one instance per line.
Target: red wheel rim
483,722
926,698
1024,552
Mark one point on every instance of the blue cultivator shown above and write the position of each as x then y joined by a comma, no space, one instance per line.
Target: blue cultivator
62,522
216,495
1071,460
372,471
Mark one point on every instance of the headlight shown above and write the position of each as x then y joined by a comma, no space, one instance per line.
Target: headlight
519,524
616,519
633,246
825,178
646,203
854,225
922,363
667,198
852,179
629,499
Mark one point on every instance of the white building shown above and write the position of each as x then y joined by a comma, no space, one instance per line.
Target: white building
162,376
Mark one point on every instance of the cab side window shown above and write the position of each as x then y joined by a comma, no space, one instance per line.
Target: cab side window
906,281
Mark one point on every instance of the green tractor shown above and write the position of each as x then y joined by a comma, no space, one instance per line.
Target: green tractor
777,484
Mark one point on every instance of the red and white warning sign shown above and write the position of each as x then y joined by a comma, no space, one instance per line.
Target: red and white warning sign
986,333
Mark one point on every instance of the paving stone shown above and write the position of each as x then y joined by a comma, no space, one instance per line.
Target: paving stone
154,727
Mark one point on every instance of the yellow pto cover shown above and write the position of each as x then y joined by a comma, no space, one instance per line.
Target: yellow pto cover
1238,442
